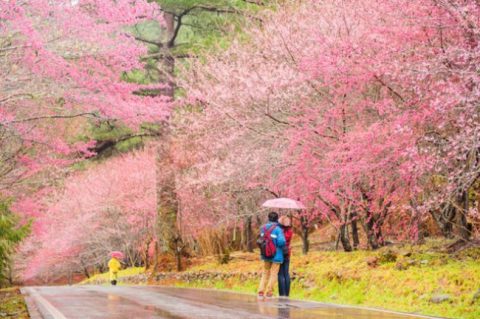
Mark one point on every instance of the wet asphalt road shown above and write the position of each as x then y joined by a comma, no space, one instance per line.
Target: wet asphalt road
84,302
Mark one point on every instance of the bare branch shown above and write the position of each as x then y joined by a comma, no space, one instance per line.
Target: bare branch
38,118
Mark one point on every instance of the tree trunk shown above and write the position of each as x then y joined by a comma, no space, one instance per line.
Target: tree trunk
344,238
167,206
378,233
10,273
179,261
305,241
166,198
355,237
156,252
445,219
370,231
464,229
178,249
85,271
249,233
259,221
146,258
418,235
243,235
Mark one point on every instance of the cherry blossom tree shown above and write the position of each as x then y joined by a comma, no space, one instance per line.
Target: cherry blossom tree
366,111
62,63
348,87
108,207
65,64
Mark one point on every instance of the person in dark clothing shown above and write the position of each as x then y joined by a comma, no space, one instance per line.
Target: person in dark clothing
284,272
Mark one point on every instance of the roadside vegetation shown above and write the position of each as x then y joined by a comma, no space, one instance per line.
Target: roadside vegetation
123,275
11,234
423,279
418,279
12,304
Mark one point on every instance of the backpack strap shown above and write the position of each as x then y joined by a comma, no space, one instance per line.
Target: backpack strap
270,230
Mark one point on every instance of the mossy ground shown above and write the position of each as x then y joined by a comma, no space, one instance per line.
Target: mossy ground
405,282
12,304
105,277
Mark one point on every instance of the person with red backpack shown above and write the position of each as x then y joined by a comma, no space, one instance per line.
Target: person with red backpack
271,242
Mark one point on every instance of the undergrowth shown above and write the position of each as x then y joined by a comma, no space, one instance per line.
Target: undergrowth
403,278
105,277
409,283
12,304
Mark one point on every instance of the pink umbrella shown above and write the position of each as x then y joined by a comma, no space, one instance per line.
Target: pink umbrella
283,203
117,254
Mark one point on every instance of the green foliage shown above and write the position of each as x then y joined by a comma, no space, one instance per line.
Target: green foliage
11,234
204,25
115,137
208,23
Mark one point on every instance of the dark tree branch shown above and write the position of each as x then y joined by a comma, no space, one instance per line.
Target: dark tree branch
275,119
38,118
156,43
176,31
15,96
256,2
161,55
389,88
105,145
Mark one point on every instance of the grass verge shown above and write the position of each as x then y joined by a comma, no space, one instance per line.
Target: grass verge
416,279
12,304
122,275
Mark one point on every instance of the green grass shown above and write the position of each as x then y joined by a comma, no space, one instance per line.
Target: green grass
105,278
12,304
404,290
346,278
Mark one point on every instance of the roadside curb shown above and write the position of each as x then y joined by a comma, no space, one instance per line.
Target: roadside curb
32,308
40,307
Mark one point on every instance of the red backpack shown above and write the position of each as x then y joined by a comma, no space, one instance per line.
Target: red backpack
266,244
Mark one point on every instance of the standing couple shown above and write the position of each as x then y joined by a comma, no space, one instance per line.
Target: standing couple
274,242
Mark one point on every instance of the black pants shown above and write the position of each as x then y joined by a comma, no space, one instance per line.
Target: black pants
284,279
